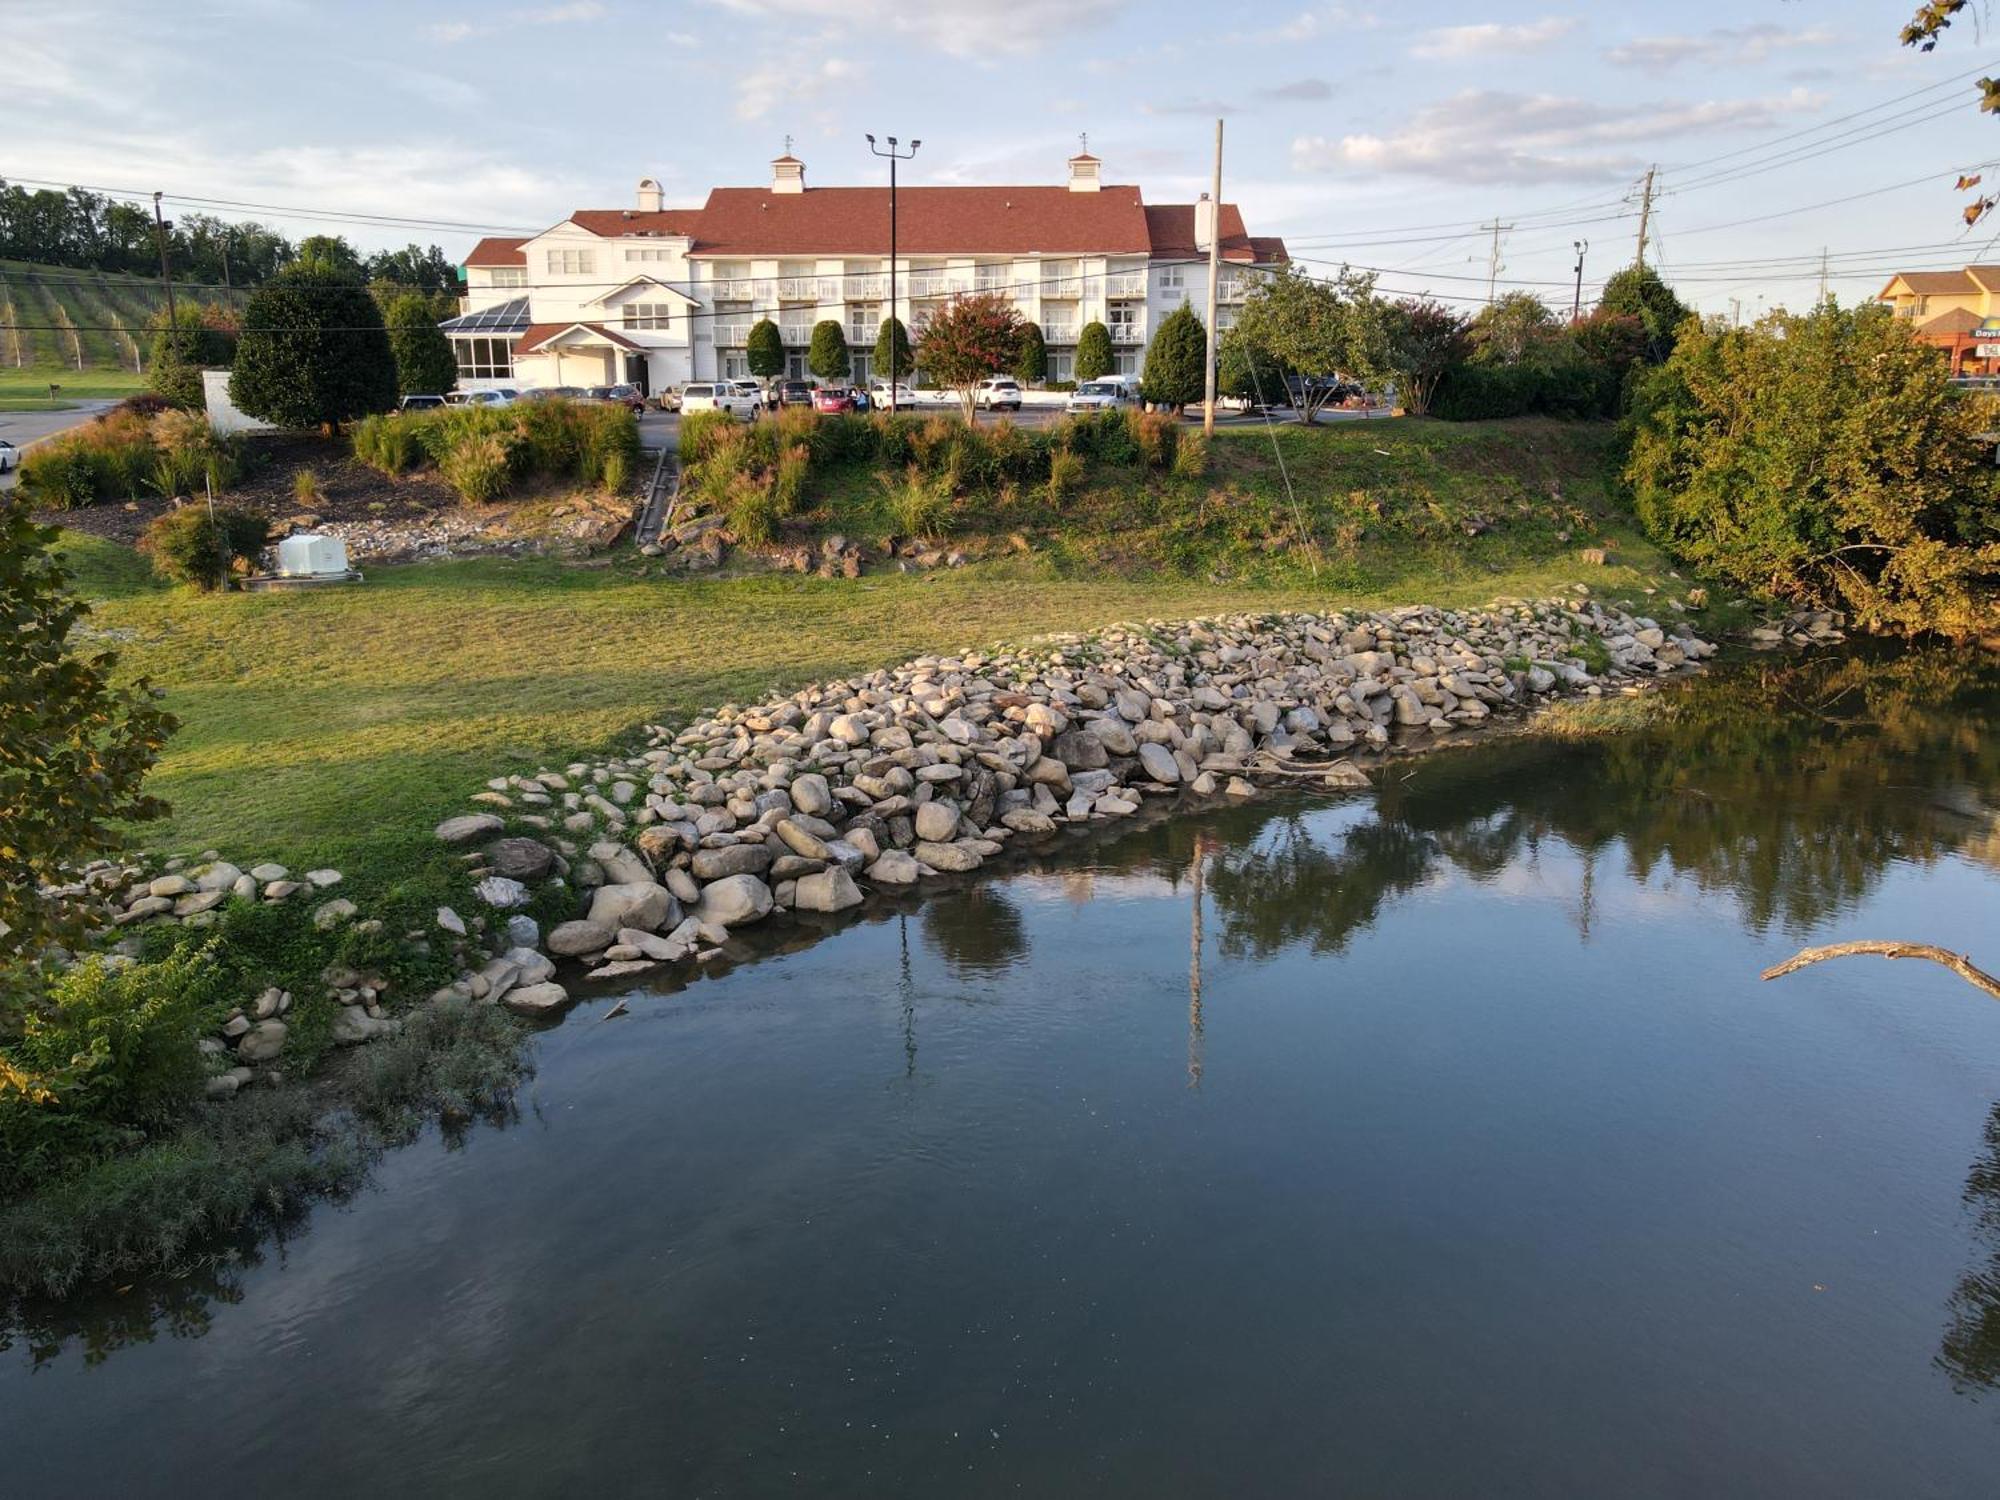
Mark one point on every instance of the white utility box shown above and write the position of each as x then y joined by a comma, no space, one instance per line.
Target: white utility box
309,555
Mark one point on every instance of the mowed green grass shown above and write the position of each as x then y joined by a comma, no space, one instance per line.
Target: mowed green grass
27,389
338,726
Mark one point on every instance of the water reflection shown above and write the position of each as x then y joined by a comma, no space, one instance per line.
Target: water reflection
1970,1353
976,930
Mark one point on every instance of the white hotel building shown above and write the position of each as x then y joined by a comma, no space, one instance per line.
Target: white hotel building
657,296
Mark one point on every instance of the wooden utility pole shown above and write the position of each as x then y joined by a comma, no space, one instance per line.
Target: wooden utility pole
1822,273
1493,258
166,275
1214,276
1645,212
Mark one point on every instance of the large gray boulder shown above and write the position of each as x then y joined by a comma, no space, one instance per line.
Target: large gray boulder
536,999
467,827
1159,762
643,904
731,859
574,939
733,900
936,822
520,859
830,890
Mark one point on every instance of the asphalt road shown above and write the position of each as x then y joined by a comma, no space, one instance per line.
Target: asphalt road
23,427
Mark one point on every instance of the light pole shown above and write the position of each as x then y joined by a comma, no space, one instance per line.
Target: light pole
1576,303
894,156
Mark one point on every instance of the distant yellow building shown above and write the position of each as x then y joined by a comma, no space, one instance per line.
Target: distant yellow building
1958,311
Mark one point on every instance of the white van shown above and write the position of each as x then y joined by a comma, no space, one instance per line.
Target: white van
719,395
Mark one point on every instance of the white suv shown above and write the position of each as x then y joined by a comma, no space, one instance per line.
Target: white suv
719,395
998,393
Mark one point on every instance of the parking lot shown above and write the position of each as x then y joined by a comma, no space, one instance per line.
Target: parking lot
659,429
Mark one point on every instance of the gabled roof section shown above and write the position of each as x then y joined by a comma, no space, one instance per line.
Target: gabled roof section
1988,277
1958,320
501,318
495,251
541,335
1933,284
929,221
610,223
646,281
1170,233
1268,250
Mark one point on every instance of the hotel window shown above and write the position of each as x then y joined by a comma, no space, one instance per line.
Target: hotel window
579,262
508,276
484,359
1062,365
1170,278
648,254
649,315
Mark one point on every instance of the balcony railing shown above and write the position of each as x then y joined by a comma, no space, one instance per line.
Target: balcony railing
1127,333
1125,284
1061,288
797,335
869,288
861,333
733,288
934,284
1230,289
732,334
1059,333
808,289
993,279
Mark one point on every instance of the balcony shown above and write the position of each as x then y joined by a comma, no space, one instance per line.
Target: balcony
1230,289
1059,333
808,289
796,335
862,334
732,288
934,284
732,335
1061,288
1127,333
864,288
1125,284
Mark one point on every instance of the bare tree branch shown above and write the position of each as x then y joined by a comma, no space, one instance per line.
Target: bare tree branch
1958,963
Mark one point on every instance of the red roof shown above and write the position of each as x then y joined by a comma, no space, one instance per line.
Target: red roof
610,222
1170,226
929,221
539,334
498,252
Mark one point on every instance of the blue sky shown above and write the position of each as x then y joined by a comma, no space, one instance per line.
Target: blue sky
1359,134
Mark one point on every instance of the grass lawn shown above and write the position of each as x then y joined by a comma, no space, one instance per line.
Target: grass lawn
27,389
339,726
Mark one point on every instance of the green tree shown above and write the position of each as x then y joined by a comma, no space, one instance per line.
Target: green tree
414,269
827,357
331,252
1425,339
974,335
1177,362
200,337
1514,330
1827,458
1094,359
313,351
1031,363
75,742
1320,329
1638,292
425,364
766,350
893,357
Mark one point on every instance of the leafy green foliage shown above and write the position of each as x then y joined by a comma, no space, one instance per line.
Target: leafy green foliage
972,336
75,744
313,350
827,356
1638,292
200,335
1828,459
1425,339
893,357
765,349
191,545
425,364
484,451
1094,359
1314,327
1177,361
1031,363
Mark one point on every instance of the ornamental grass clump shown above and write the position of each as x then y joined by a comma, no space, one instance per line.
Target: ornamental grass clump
917,503
478,466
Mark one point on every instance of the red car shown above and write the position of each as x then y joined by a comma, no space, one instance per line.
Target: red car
829,400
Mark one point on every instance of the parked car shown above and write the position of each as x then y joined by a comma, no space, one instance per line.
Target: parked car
10,456
420,403
998,393
669,399
832,399
795,392
755,391
1335,388
627,396
1096,395
879,394
720,395
503,396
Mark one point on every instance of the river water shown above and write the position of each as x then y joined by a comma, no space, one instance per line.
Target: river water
1441,1141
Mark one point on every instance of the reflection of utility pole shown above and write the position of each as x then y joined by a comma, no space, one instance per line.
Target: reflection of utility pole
1586,903
1194,971
908,988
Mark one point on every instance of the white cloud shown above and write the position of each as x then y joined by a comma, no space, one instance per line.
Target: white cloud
1493,136
1491,38
783,81
1323,20
578,11
1725,44
959,28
